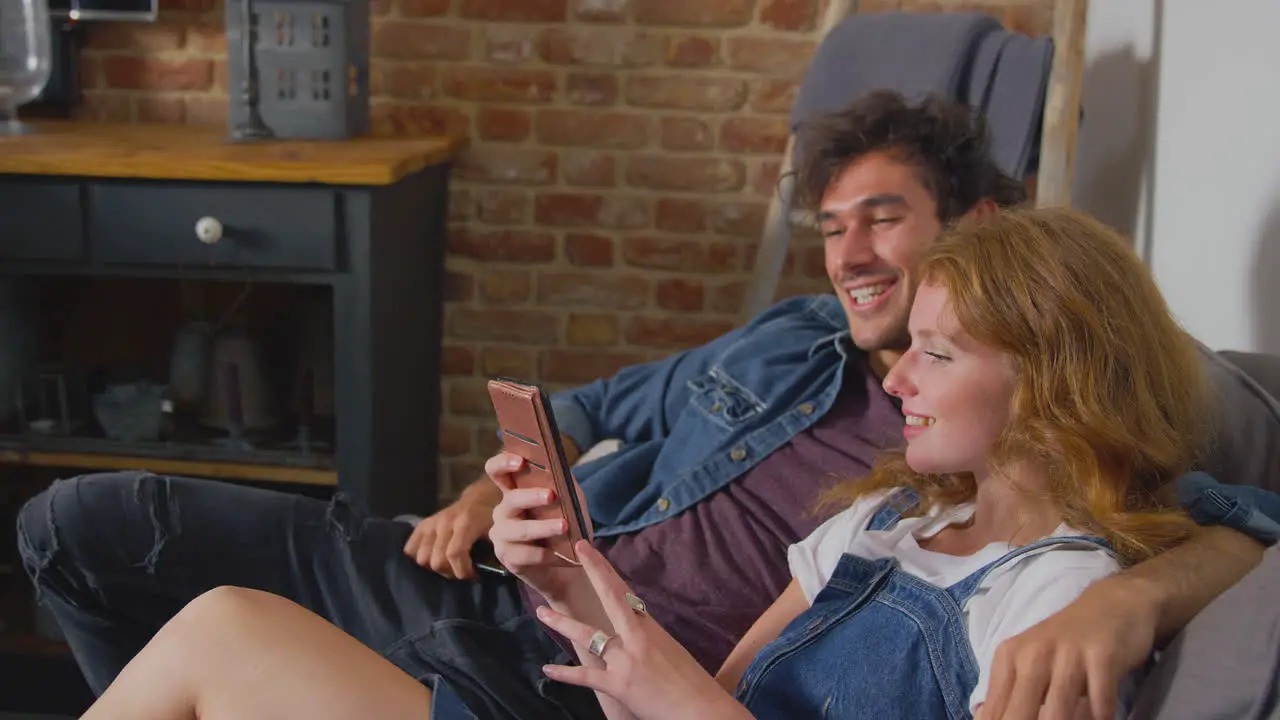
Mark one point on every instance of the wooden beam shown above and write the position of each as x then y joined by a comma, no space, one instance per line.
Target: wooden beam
776,239
772,252
1062,105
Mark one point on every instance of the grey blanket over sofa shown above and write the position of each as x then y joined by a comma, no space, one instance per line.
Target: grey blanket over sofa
966,57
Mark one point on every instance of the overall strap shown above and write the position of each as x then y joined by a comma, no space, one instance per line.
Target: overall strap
964,589
898,502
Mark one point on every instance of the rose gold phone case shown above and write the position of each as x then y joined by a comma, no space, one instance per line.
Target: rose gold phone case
528,429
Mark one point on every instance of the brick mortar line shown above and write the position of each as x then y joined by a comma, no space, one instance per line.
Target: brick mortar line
624,317
621,315
620,108
709,282
678,113
647,273
476,303
614,192
564,313
464,382
657,275
559,102
619,191
532,63
748,76
741,241
526,226
528,144
754,25
453,103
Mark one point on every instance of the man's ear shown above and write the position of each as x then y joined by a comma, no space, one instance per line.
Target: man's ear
984,208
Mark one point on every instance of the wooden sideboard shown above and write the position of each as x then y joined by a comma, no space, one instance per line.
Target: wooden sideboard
365,218
135,207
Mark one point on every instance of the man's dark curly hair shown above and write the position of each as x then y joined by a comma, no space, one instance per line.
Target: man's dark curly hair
947,142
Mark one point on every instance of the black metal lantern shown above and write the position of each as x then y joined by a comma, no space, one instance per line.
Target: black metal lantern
298,70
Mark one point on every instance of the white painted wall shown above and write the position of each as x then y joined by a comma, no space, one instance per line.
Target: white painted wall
1181,149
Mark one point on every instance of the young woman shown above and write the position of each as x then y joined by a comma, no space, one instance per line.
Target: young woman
1049,398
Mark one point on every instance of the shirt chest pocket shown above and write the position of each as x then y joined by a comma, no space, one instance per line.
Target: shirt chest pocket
724,401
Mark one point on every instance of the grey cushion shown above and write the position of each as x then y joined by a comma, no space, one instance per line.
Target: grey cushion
1262,368
1246,444
1225,664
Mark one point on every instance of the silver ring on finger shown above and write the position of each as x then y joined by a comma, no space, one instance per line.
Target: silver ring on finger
636,604
599,641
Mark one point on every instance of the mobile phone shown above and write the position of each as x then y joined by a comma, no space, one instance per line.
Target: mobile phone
528,429
485,560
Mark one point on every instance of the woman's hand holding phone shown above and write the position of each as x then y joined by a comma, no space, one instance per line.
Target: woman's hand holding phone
518,539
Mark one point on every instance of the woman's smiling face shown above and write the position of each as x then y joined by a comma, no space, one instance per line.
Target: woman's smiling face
956,393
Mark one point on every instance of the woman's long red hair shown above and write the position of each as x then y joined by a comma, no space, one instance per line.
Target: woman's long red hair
1110,394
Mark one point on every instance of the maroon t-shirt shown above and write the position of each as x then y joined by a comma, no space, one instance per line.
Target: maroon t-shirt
708,573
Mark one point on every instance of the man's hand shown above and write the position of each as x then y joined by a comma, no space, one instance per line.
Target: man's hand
1087,648
1072,662
443,541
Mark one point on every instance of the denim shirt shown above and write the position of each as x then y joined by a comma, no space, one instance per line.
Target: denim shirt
692,423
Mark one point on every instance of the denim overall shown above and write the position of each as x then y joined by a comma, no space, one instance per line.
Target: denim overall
878,643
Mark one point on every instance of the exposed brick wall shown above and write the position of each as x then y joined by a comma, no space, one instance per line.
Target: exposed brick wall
623,154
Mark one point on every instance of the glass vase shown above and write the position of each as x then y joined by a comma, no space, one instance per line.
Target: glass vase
24,58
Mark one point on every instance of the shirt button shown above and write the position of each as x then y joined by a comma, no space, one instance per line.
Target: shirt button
806,408
663,504
738,454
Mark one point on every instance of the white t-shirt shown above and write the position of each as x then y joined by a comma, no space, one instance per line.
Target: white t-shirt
1011,599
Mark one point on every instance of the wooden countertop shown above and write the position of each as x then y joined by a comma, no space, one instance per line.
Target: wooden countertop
183,152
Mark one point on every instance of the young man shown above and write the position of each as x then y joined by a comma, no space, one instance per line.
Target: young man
724,453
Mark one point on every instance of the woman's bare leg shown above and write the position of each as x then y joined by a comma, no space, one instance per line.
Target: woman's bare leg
237,653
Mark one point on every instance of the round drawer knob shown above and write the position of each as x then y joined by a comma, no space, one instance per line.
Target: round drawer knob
209,230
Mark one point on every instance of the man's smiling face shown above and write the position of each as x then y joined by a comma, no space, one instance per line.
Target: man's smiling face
877,218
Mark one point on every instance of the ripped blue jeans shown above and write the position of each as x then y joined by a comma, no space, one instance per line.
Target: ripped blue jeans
115,556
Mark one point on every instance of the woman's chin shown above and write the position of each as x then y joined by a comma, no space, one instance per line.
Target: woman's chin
923,463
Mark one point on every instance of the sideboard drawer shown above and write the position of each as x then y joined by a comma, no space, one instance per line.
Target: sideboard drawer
41,220
270,227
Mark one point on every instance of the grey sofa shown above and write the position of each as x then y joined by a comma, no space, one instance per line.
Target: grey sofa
1226,663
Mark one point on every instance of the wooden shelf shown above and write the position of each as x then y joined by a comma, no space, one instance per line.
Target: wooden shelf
170,466
183,152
